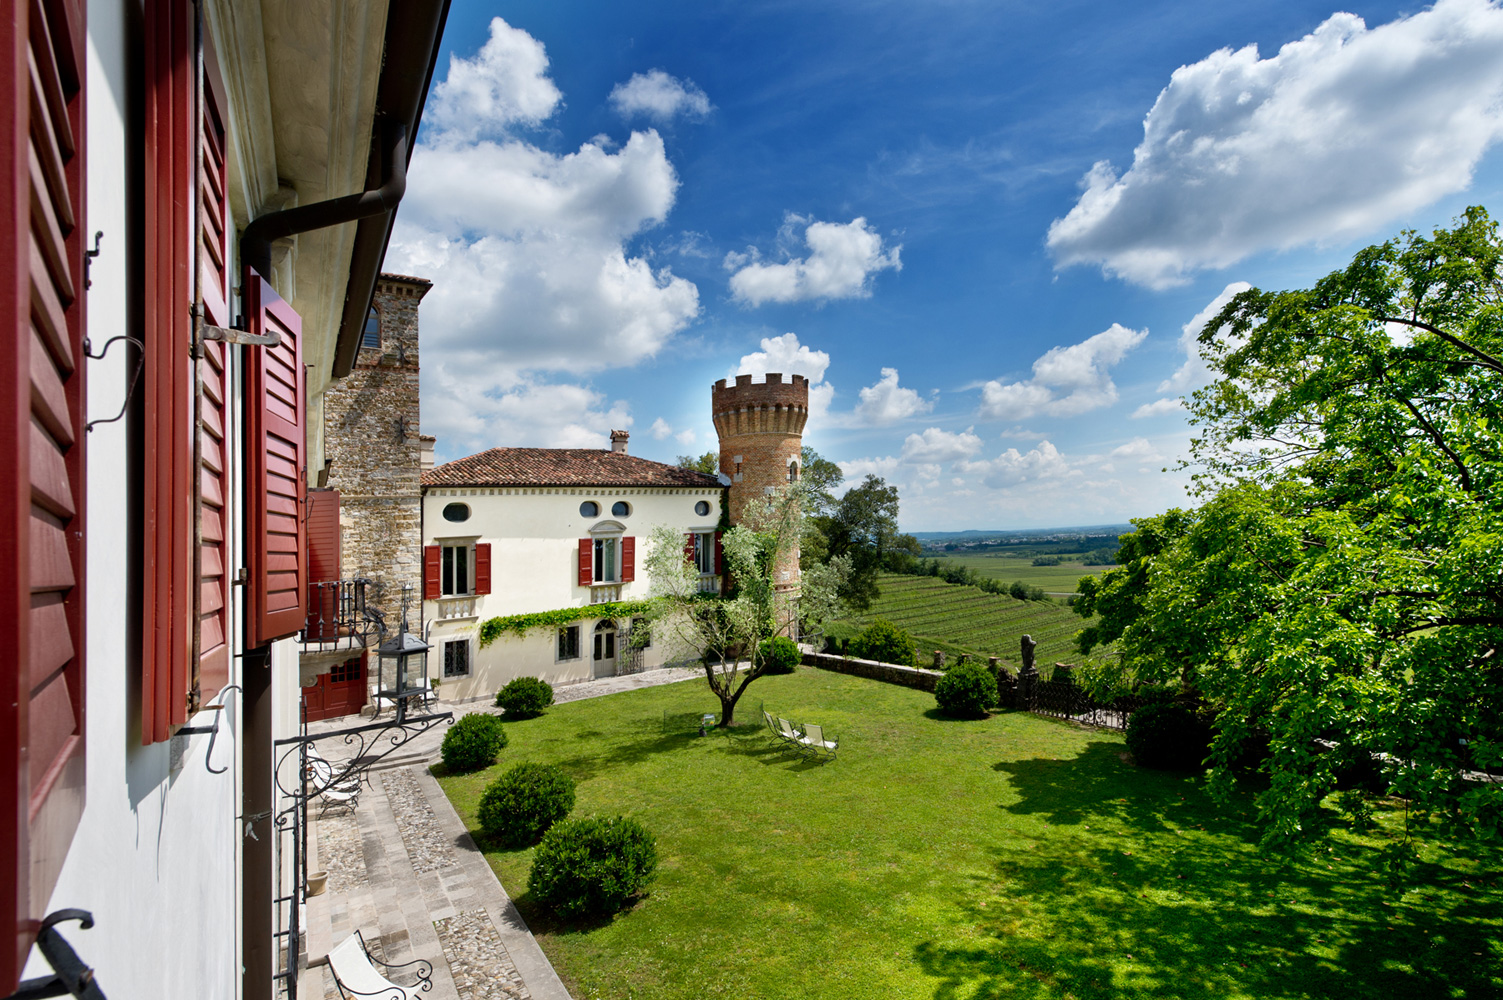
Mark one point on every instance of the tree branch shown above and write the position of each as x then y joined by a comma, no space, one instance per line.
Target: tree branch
1488,361
1435,436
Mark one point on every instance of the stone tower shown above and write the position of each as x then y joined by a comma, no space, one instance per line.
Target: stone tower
371,438
761,429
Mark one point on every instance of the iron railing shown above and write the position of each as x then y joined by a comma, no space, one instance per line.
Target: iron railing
339,615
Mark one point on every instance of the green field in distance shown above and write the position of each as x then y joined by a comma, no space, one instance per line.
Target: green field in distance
1055,579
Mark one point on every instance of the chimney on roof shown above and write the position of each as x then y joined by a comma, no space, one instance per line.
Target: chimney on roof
618,441
425,451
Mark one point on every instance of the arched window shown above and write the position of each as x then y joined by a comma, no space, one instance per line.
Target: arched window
793,471
371,336
605,640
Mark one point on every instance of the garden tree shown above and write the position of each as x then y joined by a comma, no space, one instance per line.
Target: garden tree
708,463
727,632
820,478
1342,583
863,527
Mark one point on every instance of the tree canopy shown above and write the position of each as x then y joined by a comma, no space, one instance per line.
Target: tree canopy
726,632
1339,592
708,463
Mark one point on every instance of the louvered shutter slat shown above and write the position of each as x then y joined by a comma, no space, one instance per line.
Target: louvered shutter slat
628,559
431,554
585,575
274,462
42,512
482,568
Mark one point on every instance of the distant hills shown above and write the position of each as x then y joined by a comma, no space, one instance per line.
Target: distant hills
1025,534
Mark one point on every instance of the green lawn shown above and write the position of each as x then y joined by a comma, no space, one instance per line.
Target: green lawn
1055,579
1010,857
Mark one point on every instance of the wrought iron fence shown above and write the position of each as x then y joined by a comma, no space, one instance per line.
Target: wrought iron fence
339,614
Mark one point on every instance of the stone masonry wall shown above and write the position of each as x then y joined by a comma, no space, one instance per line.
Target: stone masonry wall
371,434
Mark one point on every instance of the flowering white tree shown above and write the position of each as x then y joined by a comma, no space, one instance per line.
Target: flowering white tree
726,631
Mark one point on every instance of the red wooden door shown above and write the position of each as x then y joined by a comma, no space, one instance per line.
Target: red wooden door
339,692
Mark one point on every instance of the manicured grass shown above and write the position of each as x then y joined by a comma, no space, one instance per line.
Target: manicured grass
1009,857
958,618
1059,579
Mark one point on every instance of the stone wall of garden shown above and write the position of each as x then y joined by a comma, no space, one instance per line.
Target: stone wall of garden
891,673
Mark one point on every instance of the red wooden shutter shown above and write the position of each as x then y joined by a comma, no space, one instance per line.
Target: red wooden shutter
586,577
689,547
719,554
41,460
276,415
322,529
482,568
167,384
214,489
431,555
628,559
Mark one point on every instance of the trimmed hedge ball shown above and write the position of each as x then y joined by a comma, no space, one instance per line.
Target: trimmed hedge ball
886,643
780,654
525,697
1168,735
518,807
473,742
966,690
592,866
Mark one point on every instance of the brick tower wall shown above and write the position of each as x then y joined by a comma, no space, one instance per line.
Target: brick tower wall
371,433
762,424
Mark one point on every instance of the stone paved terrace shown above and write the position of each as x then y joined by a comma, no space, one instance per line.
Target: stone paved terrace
404,871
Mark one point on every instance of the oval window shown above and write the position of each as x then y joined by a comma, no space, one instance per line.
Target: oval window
702,508
457,512
620,509
589,509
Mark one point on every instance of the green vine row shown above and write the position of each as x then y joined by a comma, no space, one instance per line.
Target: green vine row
494,628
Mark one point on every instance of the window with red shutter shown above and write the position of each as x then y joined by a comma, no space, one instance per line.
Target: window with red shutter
41,461
482,568
431,556
586,570
628,559
275,418
719,555
322,530
689,547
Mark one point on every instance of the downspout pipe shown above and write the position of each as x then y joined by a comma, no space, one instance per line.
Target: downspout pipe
257,240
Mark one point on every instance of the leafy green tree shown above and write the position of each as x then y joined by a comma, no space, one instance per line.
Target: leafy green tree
1341,585
863,527
821,478
708,463
727,633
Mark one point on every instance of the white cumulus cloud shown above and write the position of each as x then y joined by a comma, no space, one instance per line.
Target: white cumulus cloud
1013,467
1159,407
784,354
660,429
1336,135
527,248
470,411
659,96
1194,373
1066,380
506,82
935,446
887,402
842,257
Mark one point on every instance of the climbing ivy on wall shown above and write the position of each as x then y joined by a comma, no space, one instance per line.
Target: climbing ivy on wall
494,628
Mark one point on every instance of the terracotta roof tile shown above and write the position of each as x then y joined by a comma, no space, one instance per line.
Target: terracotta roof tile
561,467
394,276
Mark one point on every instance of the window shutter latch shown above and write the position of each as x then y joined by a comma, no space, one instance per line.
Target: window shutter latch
207,331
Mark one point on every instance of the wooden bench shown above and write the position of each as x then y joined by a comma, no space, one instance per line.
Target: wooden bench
355,973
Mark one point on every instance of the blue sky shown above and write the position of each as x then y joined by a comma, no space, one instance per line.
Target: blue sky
980,228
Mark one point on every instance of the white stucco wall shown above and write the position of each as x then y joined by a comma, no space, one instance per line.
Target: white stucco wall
155,857
534,535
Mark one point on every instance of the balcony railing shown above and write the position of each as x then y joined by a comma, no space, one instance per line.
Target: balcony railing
602,593
456,607
709,584
339,617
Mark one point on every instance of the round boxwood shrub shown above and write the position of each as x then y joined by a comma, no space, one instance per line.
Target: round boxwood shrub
473,742
525,697
886,643
1168,735
780,654
524,802
592,866
966,690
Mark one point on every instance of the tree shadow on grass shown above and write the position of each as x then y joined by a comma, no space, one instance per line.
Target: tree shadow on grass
616,753
1167,896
